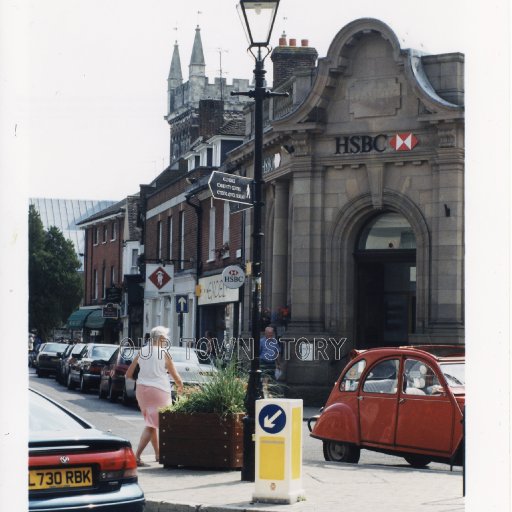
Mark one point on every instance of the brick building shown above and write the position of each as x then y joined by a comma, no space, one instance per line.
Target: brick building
112,249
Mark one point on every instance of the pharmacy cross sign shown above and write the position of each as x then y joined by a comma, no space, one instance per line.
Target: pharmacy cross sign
159,278
230,187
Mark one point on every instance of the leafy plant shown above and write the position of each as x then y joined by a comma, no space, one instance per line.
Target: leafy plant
223,394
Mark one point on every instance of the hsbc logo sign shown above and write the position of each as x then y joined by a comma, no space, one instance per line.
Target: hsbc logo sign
354,144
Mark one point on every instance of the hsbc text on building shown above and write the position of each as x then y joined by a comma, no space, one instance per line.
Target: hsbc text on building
353,144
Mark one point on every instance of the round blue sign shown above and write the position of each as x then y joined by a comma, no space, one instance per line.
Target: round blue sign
272,418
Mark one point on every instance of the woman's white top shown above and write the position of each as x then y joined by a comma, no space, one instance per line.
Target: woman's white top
152,370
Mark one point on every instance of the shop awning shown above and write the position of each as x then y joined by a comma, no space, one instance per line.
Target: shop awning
77,319
96,321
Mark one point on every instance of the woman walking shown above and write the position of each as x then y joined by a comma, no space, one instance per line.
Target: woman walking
153,385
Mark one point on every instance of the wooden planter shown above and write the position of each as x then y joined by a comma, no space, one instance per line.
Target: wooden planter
201,440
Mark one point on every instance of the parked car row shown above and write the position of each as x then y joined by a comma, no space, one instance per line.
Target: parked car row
103,366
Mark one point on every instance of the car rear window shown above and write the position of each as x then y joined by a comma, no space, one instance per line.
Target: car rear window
45,415
454,374
78,348
104,353
183,355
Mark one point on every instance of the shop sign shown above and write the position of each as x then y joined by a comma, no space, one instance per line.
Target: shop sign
110,311
354,144
159,278
233,276
214,291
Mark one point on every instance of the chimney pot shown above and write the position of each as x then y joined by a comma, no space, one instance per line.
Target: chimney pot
293,42
304,42
282,41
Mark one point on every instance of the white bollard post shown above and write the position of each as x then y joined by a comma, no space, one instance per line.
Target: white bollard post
278,457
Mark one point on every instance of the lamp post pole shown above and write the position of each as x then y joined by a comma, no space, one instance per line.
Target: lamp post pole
254,387
252,13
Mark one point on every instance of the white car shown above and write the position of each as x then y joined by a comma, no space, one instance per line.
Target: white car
191,370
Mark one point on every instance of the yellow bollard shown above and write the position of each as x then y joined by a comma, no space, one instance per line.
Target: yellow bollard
278,457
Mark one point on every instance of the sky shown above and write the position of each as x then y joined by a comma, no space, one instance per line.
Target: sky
82,105
94,98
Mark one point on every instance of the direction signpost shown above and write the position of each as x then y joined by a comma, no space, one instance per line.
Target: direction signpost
230,187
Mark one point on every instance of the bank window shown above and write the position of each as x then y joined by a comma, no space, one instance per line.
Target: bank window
387,231
383,377
351,378
420,379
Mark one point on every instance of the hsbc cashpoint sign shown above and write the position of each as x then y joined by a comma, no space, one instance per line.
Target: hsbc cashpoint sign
354,144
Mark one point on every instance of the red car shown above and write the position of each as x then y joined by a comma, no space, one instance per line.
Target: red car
405,401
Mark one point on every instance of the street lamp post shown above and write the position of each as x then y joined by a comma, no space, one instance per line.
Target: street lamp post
258,20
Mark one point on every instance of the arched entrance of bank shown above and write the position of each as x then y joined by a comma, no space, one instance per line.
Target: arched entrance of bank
385,299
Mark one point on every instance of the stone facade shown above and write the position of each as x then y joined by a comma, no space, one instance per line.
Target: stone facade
380,131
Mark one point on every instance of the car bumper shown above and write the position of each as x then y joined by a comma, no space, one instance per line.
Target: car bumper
91,379
129,498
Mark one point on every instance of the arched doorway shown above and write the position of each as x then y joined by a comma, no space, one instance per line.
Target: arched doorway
385,260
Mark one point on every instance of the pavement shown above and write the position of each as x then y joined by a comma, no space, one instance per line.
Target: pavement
328,487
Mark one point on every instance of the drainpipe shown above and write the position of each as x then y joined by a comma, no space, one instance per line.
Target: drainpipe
199,211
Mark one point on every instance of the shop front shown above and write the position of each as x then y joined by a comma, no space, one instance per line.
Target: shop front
219,308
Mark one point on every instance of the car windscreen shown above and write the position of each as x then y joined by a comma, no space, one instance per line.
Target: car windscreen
104,353
55,347
454,374
45,415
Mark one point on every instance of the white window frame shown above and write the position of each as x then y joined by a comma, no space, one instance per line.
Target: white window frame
211,235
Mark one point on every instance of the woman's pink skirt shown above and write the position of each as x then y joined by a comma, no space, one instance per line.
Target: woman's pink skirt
150,400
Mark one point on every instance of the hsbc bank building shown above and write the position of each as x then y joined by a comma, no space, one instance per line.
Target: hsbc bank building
364,198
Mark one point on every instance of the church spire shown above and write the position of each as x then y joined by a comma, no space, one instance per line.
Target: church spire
197,65
175,78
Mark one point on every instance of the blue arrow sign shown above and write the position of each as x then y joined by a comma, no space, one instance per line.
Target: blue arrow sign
181,304
272,418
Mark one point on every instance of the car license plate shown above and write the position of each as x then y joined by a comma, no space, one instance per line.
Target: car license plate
39,479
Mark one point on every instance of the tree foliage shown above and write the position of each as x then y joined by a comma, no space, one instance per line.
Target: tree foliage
55,286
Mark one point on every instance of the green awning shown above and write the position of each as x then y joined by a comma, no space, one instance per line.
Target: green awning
96,321
77,319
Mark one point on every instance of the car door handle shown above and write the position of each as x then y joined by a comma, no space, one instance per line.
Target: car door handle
401,401
360,397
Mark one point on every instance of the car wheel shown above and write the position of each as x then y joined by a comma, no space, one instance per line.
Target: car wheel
71,384
83,384
112,395
341,452
418,461
101,392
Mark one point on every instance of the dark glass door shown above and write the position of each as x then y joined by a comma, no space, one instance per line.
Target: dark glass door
385,297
